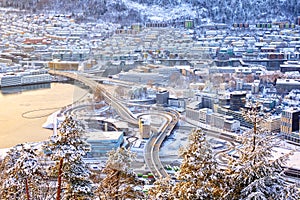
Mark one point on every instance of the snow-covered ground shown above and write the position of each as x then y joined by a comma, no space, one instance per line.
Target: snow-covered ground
3,153
173,143
294,159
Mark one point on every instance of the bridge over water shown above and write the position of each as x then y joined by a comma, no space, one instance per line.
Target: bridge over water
100,89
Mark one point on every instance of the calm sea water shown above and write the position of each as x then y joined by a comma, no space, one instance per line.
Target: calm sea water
24,112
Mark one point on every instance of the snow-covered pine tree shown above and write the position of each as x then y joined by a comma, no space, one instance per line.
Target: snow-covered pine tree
21,173
120,181
198,176
162,189
67,149
253,173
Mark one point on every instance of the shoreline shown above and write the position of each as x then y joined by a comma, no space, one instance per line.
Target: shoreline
15,129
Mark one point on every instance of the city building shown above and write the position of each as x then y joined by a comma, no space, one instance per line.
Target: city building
10,80
144,127
231,125
216,120
205,115
177,102
162,97
255,87
284,86
298,20
239,84
192,111
269,103
143,78
237,100
235,114
208,100
189,24
103,142
290,120
290,66
63,65
273,124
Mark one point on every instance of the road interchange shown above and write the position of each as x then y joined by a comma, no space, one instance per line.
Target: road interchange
151,151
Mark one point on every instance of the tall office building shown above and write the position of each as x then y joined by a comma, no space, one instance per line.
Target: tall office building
145,128
289,120
162,97
237,100
208,100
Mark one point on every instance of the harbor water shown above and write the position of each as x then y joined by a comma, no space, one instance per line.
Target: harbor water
25,109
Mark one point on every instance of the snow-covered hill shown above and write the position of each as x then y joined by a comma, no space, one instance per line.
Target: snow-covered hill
128,11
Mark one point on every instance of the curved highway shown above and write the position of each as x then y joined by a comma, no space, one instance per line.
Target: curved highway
151,151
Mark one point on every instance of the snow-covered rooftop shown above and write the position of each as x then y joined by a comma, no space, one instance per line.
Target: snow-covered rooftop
100,136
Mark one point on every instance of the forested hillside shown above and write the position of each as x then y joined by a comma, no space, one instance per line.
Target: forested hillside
128,11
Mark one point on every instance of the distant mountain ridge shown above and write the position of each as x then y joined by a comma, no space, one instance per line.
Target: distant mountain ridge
128,11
